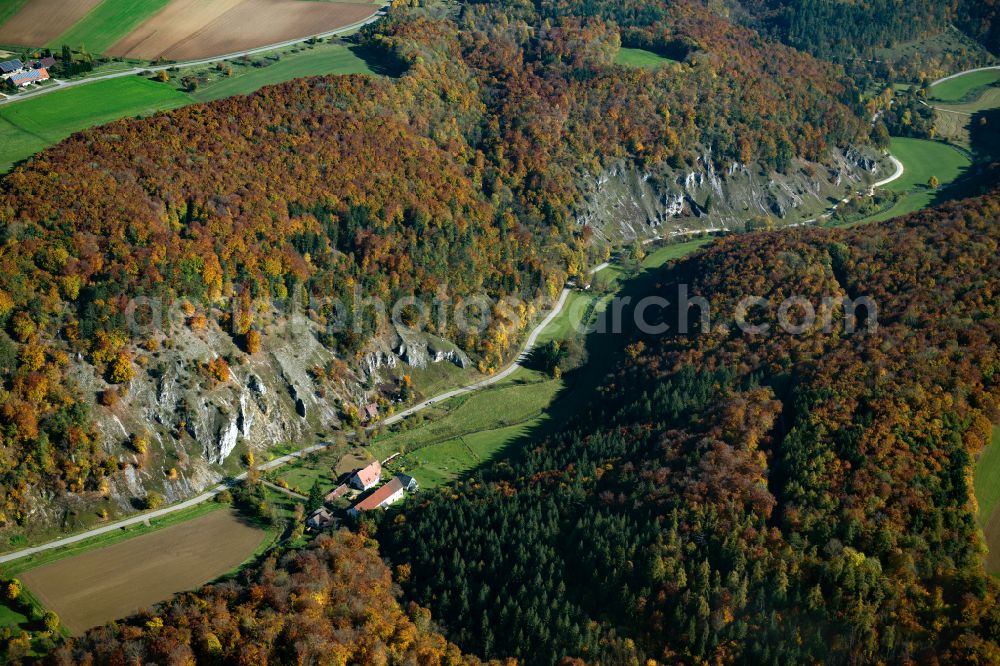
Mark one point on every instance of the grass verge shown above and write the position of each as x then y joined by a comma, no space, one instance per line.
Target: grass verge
986,480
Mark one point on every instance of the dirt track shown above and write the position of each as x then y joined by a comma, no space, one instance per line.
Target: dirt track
41,21
110,583
191,29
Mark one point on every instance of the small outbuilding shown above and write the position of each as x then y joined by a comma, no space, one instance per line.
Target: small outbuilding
409,483
336,493
320,519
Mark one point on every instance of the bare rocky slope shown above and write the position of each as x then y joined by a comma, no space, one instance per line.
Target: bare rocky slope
196,428
626,202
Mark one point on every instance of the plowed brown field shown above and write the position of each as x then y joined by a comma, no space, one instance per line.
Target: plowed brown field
192,29
41,21
112,582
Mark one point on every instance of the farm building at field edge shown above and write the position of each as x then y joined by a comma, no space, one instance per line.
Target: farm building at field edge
11,66
320,519
388,494
367,477
21,79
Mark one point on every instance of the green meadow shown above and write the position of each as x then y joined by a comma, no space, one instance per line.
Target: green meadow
986,481
921,159
31,125
965,87
641,58
329,59
106,23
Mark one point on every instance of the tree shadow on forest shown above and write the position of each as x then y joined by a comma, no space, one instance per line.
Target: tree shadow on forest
379,60
605,347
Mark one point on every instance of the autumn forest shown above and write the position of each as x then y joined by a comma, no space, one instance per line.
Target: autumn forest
716,496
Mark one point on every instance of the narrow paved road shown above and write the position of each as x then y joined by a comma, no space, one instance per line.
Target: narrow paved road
896,175
63,85
277,462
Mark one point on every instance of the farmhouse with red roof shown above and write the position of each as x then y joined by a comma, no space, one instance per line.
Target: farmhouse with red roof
367,477
383,497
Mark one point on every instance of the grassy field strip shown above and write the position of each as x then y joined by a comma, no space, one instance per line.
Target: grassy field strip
987,99
107,23
987,478
641,58
922,160
963,87
986,484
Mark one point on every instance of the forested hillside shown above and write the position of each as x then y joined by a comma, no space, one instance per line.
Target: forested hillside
462,174
721,497
331,603
769,498
831,28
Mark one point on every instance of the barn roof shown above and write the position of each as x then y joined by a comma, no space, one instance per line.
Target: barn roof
9,66
28,77
376,499
336,493
370,474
